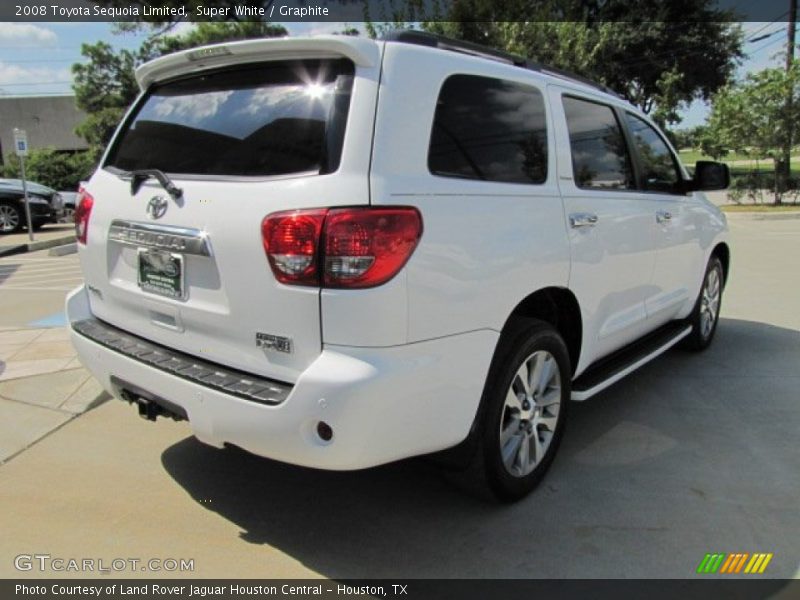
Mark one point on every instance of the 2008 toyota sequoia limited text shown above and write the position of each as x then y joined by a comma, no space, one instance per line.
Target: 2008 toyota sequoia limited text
323,253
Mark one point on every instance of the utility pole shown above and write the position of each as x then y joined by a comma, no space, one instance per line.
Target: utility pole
786,157
791,34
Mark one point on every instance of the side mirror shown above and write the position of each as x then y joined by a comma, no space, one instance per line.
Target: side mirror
709,176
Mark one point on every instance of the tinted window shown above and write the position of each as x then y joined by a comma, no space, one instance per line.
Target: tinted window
489,129
268,119
599,155
660,173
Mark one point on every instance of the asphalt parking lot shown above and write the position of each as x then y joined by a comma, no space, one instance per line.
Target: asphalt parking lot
690,455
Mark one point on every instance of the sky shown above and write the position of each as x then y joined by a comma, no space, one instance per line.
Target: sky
35,58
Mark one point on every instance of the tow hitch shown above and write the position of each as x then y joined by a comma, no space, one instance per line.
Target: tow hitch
148,405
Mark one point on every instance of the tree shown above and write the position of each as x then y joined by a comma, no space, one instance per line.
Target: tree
58,170
753,118
658,55
105,86
687,138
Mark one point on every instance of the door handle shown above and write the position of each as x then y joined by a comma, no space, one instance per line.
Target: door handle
577,220
663,216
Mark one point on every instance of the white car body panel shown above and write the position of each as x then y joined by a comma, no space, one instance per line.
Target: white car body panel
399,369
379,402
212,321
461,278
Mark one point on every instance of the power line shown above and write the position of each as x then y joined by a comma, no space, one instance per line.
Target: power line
767,45
27,60
37,95
686,52
763,37
41,47
36,83
763,27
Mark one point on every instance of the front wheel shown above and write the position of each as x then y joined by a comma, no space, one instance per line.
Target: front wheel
525,408
705,315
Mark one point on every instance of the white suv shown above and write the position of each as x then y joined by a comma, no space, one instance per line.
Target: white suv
340,252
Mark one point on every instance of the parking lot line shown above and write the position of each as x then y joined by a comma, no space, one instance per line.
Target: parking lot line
58,319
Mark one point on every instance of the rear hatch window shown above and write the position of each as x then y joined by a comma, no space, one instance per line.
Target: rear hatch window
261,120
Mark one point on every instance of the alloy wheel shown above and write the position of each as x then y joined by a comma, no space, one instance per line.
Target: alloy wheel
530,413
9,218
709,302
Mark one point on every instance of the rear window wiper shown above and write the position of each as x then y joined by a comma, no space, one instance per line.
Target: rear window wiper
139,176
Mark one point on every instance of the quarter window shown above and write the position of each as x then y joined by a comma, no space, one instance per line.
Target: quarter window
599,155
659,171
489,129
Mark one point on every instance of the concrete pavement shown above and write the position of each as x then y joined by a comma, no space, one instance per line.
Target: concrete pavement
33,287
694,453
42,386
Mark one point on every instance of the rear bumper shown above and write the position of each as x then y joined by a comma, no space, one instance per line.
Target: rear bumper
383,404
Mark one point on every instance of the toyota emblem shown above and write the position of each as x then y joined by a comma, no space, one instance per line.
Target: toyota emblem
157,207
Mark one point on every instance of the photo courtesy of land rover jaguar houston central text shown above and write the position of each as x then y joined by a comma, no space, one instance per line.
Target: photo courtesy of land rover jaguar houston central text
340,252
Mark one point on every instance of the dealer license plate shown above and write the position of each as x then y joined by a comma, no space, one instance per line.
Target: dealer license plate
161,273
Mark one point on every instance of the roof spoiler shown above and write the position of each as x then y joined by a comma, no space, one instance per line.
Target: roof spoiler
363,52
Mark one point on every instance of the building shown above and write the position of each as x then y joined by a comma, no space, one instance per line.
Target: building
50,122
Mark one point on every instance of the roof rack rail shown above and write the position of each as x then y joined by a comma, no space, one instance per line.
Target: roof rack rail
433,40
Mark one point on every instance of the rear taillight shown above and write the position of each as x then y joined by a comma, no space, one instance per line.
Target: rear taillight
291,241
83,210
365,247
341,247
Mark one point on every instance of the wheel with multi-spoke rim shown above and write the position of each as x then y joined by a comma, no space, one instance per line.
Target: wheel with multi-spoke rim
530,413
10,218
523,410
705,315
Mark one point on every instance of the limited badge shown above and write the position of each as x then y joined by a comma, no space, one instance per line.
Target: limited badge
267,341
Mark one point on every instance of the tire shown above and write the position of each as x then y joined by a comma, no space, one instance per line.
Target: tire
705,314
11,218
520,426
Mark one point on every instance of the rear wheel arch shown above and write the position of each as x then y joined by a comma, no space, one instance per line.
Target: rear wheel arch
554,305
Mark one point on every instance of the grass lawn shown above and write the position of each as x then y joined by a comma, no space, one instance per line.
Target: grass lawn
689,157
733,208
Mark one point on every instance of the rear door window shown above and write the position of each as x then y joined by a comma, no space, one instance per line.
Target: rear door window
600,157
489,129
267,119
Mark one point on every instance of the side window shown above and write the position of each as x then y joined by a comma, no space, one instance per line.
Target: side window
660,172
599,155
489,129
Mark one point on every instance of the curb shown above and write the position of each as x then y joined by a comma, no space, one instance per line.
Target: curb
64,250
33,246
764,216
